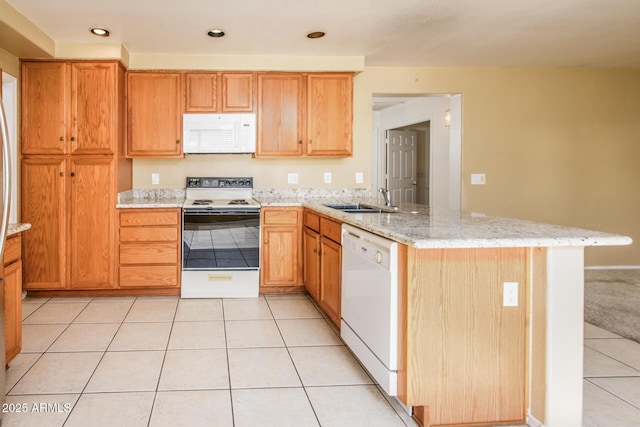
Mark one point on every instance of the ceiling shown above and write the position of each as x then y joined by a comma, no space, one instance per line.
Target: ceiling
601,33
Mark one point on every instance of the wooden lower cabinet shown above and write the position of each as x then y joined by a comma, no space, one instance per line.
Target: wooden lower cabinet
280,264
149,248
323,262
70,204
12,264
311,254
43,206
330,278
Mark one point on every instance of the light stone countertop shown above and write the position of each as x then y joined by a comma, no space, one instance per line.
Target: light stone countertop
149,199
415,225
420,226
19,227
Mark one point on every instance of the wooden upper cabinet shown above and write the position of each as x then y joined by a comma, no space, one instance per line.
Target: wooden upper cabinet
201,92
280,118
154,114
94,108
329,114
44,97
215,92
69,107
237,92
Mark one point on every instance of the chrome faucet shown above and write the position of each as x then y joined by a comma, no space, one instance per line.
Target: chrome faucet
387,196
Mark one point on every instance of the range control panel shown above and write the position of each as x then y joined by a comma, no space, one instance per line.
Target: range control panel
219,182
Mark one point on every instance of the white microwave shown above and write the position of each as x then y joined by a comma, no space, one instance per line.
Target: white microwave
219,133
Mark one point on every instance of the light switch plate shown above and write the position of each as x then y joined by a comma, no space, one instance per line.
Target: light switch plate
478,179
327,177
155,178
359,178
292,178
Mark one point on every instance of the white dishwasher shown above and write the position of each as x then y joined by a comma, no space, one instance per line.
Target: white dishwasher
369,323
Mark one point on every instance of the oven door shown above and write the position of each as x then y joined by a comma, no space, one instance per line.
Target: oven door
220,239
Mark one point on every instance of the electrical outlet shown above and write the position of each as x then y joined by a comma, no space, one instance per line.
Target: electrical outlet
510,294
292,178
359,178
327,177
478,179
155,178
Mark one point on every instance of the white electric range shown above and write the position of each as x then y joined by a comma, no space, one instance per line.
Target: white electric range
220,238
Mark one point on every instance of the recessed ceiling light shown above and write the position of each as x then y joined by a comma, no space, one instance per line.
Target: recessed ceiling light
215,33
100,32
315,34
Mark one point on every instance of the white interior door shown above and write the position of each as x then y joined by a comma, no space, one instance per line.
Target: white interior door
401,165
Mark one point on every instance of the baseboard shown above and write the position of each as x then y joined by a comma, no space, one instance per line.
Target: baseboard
533,422
612,267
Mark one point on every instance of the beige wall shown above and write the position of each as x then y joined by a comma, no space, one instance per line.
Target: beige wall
557,145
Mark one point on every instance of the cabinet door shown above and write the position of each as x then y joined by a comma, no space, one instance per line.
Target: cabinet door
280,251
43,206
92,210
329,115
201,92
280,118
237,92
43,98
330,276
94,108
311,253
13,309
154,115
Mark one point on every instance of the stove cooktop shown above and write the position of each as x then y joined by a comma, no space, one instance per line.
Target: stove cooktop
220,192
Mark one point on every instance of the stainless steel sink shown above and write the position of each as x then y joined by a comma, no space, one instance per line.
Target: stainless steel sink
362,208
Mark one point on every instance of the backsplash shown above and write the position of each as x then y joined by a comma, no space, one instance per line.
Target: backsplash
261,193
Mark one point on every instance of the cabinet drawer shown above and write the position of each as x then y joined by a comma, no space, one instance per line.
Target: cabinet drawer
150,217
280,216
148,234
146,276
331,229
312,220
12,249
151,253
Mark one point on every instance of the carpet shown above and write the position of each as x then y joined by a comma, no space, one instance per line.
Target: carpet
612,301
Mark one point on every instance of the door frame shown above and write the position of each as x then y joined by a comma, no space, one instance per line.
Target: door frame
445,186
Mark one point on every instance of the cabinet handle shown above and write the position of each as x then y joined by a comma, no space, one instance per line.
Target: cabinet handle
73,138
300,142
61,173
266,241
177,141
310,141
315,250
73,174
62,138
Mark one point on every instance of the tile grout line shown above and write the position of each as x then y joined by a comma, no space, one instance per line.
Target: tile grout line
164,358
304,388
82,392
613,394
226,351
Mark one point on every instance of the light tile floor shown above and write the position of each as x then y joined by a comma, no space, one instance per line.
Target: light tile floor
165,361
271,361
611,379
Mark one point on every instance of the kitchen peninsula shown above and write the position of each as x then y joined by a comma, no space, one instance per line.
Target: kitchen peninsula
466,356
